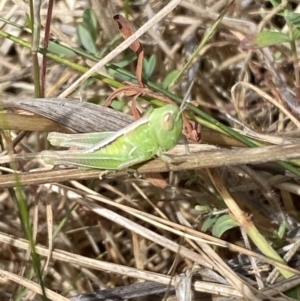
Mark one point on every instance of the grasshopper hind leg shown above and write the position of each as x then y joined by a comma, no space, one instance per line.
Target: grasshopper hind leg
126,167
129,170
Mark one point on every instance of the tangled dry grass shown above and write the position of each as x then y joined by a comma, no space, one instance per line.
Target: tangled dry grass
215,224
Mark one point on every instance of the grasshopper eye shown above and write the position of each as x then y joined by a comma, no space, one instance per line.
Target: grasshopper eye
168,122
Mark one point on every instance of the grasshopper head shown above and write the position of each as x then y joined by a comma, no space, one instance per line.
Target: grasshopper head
167,124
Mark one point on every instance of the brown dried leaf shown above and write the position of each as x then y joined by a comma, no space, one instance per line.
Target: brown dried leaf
80,116
127,30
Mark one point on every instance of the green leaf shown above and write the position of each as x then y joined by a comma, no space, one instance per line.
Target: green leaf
293,18
125,61
208,223
149,66
294,293
282,229
109,45
296,33
22,204
277,55
224,223
90,22
169,78
203,209
90,81
264,39
29,23
60,49
86,39
275,3
118,105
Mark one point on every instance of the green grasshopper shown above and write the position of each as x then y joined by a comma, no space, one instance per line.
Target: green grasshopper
153,134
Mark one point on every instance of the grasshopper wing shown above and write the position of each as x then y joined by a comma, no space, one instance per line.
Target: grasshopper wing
84,141
85,160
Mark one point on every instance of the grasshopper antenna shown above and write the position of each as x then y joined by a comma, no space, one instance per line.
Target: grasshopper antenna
186,97
183,105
